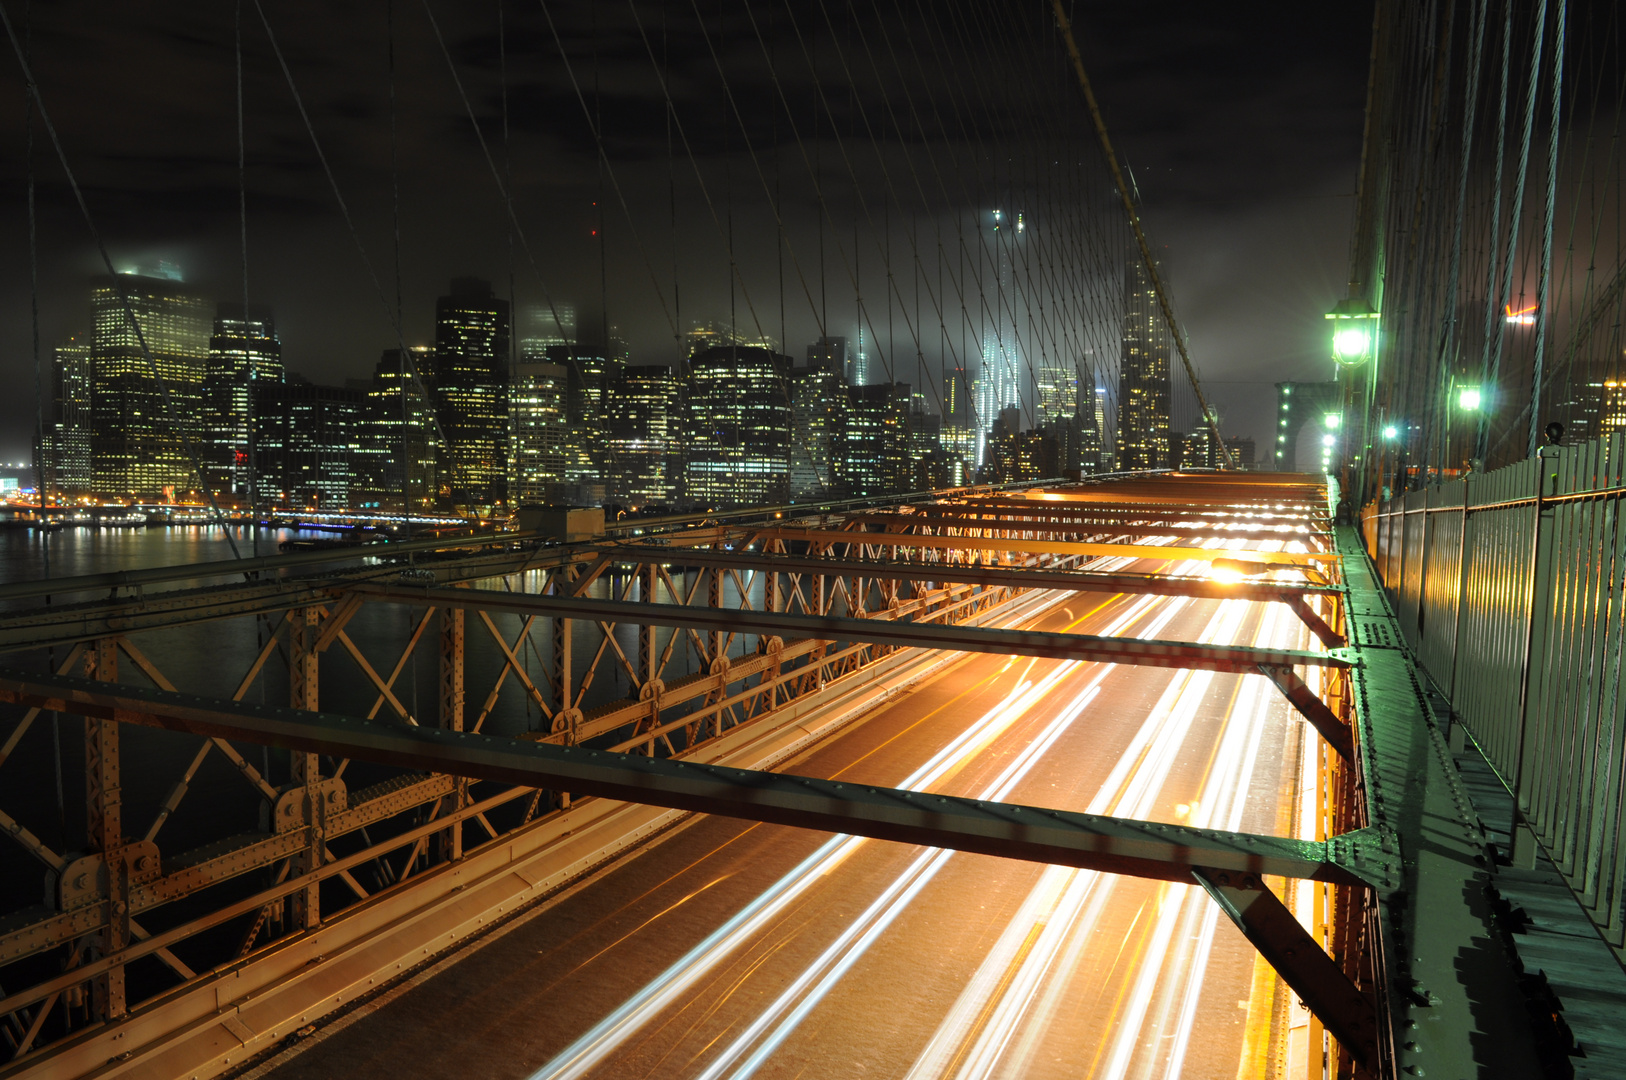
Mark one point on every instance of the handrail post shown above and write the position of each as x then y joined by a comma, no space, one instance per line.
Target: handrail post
1536,598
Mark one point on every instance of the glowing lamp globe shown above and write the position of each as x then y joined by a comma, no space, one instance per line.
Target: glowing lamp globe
1468,398
1354,332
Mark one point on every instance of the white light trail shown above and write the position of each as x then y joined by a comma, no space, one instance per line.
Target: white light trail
670,986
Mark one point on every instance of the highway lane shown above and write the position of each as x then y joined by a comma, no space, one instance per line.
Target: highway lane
734,950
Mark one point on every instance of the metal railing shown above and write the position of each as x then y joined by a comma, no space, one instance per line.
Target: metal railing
1509,587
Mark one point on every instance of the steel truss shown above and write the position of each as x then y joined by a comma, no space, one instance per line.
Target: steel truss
781,615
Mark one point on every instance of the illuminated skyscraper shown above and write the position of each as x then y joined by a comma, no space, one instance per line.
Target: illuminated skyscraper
140,442
307,442
874,447
398,444
242,351
643,408
470,389
1144,389
64,446
541,448
819,414
958,436
545,326
1057,385
828,354
738,427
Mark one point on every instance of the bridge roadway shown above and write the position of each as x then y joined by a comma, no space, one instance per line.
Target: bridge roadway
728,948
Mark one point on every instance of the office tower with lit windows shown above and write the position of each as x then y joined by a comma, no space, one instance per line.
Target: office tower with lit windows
141,443
643,408
591,375
307,440
738,423
828,354
1144,387
470,389
540,453
1057,387
243,350
958,434
63,448
874,447
544,326
1242,452
819,406
1103,431
1198,450
395,468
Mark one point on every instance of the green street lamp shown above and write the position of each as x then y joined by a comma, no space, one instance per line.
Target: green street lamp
1468,398
1391,432
1332,420
1354,331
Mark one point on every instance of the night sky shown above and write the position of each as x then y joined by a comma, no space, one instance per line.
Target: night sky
1242,127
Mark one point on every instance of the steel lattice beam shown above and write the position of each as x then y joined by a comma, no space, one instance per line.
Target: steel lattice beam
1113,650
978,574
1154,552
1034,834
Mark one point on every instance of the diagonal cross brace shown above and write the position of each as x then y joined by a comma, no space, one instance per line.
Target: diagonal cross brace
1331,638
1346,1010
1323,719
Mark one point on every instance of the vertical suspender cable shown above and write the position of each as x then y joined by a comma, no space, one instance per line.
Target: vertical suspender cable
395,223
1515,212
34,311
1448,346
1492,293
1542,288
242,233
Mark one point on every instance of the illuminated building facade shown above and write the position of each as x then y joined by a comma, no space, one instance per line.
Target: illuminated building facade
592,376
243,350
398,449
1057,387
958,434
1243,452
873,458
470,390
739,421
643,408
541,448
307,440
1198,450
139,444
819,406
64,445
1144,388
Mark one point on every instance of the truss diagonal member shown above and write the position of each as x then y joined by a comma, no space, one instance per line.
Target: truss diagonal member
1109,845
1346,1011
1323,719
1331,638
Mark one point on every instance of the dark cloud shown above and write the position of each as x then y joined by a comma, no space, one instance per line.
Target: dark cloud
1241,125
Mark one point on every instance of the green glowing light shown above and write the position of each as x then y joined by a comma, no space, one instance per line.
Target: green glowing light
1332,420
1351,343
1390,432
1468,398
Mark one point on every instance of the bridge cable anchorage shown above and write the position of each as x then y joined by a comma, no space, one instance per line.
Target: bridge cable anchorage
1140,234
